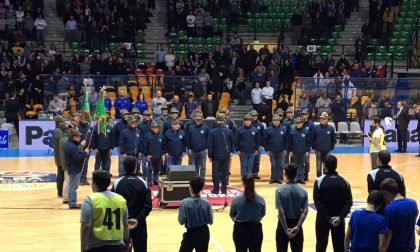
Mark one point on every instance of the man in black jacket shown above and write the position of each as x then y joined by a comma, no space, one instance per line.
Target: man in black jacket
139,202
74,158
401,124
11,107
333,201
384,170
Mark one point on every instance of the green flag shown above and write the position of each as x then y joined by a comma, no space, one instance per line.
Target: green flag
100,113
85,105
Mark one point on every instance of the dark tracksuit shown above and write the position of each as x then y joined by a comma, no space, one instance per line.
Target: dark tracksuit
139,204
220,145
86,131
103,144
247,141
153,147
323,142
299,144
197,143
144,128
116,132
260,128
275,141
375,178
174,143
60,172
309,126
131,144
332,197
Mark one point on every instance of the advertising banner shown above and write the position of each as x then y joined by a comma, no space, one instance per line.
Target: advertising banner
4,138
391,134
34,134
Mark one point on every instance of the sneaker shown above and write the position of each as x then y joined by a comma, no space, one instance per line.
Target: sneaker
214,192
223,192
65,202
279,181
59,196
271,181
417,155
77,206
256,176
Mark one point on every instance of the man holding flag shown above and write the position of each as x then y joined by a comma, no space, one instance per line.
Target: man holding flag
85,129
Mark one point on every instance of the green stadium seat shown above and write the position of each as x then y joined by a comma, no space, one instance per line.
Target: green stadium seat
382,49
113,47
75,46
217,41
369,57
140,54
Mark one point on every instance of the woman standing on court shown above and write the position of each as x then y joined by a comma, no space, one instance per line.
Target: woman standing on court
247,211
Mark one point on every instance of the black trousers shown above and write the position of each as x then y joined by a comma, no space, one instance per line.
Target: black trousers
220,169
195,238
60,181
322,229
139,237
283,240
115,248
402,139
247,237
103,160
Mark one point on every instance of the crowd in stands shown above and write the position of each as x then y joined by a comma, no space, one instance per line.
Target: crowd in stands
96,23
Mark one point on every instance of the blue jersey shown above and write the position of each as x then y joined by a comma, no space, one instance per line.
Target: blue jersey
366,226
400,216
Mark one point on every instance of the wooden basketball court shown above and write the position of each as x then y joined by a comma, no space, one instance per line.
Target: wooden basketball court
33,219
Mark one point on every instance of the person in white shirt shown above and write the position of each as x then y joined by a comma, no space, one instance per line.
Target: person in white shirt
376,140
71,27
20,14
319,79
157,103
190,24
267,93
56,105
170,58
323,104
256,95
40,25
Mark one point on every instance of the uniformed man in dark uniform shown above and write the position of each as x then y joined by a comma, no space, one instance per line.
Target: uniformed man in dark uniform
153,151
274,143
144,127
189,123
309,126
299,146
383,171
333,201
323,141
260,127
174,114
229,122
247,142
57,133
289,121
175,143
197,144
131,143
118,129
103,144
86,130
139,202
136,113
220,146
164,115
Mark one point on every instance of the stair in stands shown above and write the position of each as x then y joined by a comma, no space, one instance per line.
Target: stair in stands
155,32
55,28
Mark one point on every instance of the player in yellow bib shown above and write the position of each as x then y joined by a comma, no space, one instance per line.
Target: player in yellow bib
104,224
377,142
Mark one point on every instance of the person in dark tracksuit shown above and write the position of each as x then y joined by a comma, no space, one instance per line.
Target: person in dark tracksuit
333,201
102,144
174,142
274,142
86,130
117,130
131,142
57,133
247,141
197,144
220,146
309,126
247,210
299,146
323,141
260,127
144,127
153,151
384,170
139,202
196,214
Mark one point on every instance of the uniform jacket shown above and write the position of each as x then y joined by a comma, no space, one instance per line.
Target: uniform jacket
117,130
174,142
220,143
323,138
197,137
131,141
74,156
153,145
275,138
101,141
247,139
299,141
55,144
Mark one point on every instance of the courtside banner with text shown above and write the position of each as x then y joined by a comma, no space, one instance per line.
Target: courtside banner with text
33,134
391,134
